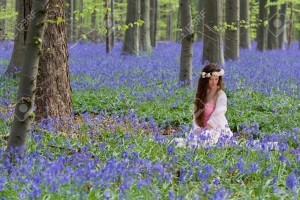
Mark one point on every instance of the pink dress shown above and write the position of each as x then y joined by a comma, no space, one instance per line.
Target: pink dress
209,109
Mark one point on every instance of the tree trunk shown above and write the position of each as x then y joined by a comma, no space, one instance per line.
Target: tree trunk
282,34
69,17
262,31
245,25
2,21
112,14
131,41
53,82
273,27
24,17
169,20
106,21
153,22
186,57
232,40
27,84
200,20
212,44
145,40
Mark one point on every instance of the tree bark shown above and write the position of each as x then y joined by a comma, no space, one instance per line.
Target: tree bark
131,41
282,34
106,21
232,39
24,17
153,21
2,21
69,21
273,27
245,25
27,84
262,31
145,41
186,57
200,20
112,14
212,44
53,82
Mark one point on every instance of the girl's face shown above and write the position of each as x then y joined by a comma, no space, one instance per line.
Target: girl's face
213,82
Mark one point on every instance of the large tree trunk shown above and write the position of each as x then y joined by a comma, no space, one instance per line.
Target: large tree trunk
273,27
24,17
153,21
69,20
2,21
212,44
262,31
54,90
186,57
131,41
245,25
27,84
169,20
145,40
112,14
200,20
282,34
232,39
106,21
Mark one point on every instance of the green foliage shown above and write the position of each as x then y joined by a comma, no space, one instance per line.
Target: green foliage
244,107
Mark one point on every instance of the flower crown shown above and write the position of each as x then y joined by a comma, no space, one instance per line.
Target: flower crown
207,75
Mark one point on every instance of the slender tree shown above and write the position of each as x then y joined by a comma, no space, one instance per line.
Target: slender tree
212,44
153,21
262,31
131,41
274,26
232,39
107,27
187,34
112,19
282,20
53,82
145,41
244,25
27,84
2,21
24,17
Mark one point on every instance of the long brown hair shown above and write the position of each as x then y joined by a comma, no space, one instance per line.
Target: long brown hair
201,94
